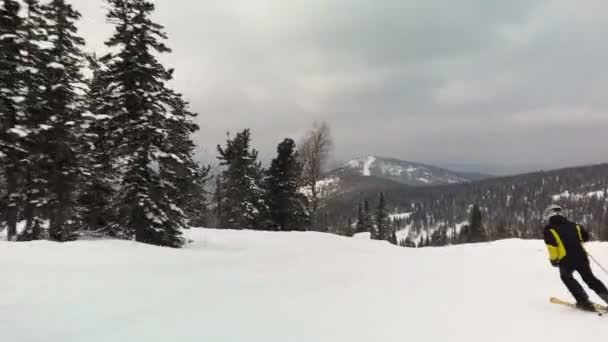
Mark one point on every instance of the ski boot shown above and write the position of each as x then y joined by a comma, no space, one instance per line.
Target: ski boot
604,297
586,306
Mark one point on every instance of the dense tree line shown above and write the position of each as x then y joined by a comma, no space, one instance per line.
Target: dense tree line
109,154
499,208
248,196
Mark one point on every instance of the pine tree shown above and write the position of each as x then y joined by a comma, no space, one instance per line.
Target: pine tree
191,194
349,231
62,135
604,226
147,120
37,114
383,229
242,202
188,177
12,146
361,225
99,181
217,200
287,206
392,234
476,230
368,220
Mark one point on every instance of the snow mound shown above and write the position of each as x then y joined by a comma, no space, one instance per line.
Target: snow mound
297,287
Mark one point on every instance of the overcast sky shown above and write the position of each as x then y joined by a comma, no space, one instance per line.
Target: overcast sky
498,86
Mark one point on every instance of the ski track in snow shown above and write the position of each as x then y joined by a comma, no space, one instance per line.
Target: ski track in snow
368,165
298,287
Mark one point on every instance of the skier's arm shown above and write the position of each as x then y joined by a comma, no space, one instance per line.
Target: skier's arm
552,247
583,233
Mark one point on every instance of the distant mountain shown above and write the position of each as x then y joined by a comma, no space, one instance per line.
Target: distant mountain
511,206
404,172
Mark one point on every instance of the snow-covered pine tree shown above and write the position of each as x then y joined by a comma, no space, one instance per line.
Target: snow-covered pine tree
99,182
187,178
243,204
143,124
61,136
36,116
12,145
287,207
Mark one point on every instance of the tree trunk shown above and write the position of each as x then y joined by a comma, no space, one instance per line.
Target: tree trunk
59,227
11,211
315,205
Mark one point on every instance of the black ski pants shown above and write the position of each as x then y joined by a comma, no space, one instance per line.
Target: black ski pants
584,270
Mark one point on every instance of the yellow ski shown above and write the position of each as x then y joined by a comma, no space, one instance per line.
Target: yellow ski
600,309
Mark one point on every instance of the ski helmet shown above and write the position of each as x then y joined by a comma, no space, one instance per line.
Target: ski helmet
552,210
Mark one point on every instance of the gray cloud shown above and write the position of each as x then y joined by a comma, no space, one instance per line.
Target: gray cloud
507,86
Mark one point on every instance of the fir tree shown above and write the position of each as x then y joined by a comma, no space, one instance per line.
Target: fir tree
62,136
147,119
217,200
368,221
188,177
242,201
476,230
604,226
287,206
383,229
12,146
361,226
99,181
37,114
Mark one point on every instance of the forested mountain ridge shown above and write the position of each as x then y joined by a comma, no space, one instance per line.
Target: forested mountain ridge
510,206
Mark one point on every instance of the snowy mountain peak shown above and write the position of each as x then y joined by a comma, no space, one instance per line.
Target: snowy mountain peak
402,171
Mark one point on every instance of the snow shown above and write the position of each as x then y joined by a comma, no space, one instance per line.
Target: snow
367,166
55,65
393,170
92,116
578,196
363,236
4,36
21,132
325,187
424,180
364,164
276,287
400,216
353,164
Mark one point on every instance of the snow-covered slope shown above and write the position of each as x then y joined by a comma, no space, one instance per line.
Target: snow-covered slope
402,171
232,286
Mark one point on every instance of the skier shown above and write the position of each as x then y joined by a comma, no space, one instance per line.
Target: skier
564,240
